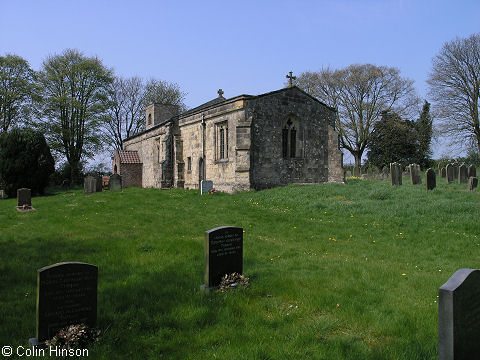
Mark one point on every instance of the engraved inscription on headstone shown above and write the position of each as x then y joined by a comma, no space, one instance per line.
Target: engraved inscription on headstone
459,316
206,186
431,179
66,295
223,253
115,182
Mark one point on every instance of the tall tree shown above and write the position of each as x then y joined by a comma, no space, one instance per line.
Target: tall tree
127,101
455,87
360,93
73,89
424,129
16,90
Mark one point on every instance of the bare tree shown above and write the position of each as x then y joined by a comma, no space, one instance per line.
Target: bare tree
125,111
455,88
127,101
360,93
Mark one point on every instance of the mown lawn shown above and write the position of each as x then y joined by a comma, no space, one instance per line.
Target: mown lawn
336,271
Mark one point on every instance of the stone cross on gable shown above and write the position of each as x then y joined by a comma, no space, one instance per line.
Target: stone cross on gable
291,78
220,93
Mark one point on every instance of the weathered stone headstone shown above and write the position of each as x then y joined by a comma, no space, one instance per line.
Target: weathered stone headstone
455,170
396,173
24,197
348,173
89,185
415,174
99,184
223,253
115,182
206,186
462,174
459,316
472,183
472,171
66,295
431,179
443,172
450,173
2,194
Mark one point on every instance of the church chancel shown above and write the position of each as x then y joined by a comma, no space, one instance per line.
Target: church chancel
241,143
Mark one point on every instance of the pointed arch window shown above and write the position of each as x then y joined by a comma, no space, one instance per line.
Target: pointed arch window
221,141
289,140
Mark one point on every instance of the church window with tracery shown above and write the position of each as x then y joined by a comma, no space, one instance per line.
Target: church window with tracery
289,140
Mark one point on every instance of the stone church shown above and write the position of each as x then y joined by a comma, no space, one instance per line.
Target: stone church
241,143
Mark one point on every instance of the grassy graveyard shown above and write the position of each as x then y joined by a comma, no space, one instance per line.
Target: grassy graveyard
336,271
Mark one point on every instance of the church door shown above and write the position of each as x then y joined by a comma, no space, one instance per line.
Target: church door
201,172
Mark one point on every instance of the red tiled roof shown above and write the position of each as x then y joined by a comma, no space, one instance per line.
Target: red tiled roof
129,157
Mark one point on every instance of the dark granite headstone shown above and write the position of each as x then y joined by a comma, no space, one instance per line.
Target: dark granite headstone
206,186
462,174
455,170
472,171
396,173
24,197
66,295
431,179
115,182
443,172
89,185
472,183
459,316
99,184
450,173
223,253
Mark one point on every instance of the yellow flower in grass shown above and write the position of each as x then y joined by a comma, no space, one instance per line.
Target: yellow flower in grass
404,274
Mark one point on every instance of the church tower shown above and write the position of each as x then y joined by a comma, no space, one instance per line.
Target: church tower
158,113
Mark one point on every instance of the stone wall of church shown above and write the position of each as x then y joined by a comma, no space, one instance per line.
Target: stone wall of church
335,157
155,151
269,166
200,146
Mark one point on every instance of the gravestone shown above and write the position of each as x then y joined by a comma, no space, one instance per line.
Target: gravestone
431,179
223,253
396,173
472,183
89,185
472,171
462,174
24,198
206,186
459,316
99,184
115,182
348,173
66,295
450,173
455,170
2,194
415,174
443,172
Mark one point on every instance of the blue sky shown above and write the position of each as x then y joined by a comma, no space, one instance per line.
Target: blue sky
242,47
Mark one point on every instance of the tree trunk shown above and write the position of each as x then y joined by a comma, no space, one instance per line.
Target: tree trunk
358,164
75,174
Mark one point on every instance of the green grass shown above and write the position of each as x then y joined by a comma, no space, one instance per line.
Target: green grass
325,264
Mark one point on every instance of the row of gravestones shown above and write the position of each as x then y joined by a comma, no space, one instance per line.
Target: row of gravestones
67,295
416,175
93,184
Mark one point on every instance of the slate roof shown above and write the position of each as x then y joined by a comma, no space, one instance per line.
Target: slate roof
205,105
129,157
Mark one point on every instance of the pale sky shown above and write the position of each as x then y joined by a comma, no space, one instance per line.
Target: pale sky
243,47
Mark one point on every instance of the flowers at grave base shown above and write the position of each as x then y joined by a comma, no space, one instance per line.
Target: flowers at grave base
232,281
74,337
212,191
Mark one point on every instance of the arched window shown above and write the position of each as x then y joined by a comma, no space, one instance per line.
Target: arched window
289,140
149,119
221,141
